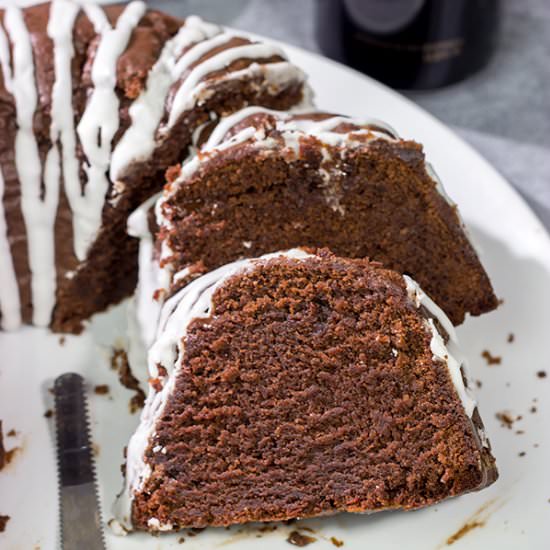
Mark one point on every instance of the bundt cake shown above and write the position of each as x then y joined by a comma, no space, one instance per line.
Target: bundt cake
95,104
301,384
264,181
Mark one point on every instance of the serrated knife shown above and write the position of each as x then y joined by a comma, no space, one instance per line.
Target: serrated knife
80,513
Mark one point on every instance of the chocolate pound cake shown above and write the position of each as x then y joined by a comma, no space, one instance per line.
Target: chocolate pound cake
266,181
298,385
95,104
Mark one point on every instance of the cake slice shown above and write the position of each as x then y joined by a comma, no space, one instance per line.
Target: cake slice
298,385
96,103
266,181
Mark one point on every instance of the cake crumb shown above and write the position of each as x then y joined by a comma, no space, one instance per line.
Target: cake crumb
520,432
117,528
479,383
120,363
533,409
466,528
11,433
491,359
267,528
297,539
511,338
3,522
336,542
522,453
477,519
96,449
62,340
505,419
181,540
541,374
137,402
48,413
10,455
101,389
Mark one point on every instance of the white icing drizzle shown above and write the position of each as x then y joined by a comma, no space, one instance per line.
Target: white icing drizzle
97,17
189,91
10,307
191,302
146,112
138,142
136,350
99,123
449,353
284,124
60,29
147,309
196,135
38,208
5,60
228,122
61,21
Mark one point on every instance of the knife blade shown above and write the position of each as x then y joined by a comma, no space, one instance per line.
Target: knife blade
80,513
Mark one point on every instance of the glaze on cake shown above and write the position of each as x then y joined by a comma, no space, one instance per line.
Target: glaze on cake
140,84
297,385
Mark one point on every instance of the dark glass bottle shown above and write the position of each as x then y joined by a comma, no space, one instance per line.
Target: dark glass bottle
410,44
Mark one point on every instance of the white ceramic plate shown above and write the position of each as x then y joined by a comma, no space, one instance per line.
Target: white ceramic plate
512,514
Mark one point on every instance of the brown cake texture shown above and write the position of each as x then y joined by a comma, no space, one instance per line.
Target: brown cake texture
139,83
266,181
296,385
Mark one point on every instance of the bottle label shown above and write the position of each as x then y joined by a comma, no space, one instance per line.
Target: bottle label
431,52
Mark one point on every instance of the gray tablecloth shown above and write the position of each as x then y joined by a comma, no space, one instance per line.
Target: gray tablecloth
504,111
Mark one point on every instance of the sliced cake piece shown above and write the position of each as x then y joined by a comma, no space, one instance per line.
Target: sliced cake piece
96,103
297,385
267,181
